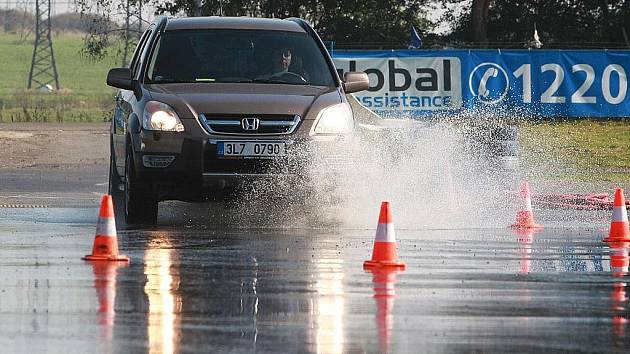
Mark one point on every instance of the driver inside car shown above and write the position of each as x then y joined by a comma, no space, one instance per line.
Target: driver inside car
281,69
280,61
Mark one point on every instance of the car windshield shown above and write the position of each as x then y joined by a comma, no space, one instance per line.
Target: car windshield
218,55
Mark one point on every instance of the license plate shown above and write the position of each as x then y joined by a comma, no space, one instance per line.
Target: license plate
250,149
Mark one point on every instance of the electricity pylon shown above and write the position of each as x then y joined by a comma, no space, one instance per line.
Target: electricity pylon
43,68
133,29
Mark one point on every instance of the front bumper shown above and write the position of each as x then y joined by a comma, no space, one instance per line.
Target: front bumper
195,172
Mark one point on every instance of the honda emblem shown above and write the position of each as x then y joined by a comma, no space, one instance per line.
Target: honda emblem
250,124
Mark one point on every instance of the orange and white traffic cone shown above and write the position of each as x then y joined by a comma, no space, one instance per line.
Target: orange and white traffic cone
525,216
619,230
384,253
106,241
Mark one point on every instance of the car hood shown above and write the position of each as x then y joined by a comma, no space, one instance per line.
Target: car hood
246,98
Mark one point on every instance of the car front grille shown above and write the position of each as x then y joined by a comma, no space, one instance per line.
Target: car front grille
251,124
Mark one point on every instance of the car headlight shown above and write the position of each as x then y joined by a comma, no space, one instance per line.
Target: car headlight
336,119
160,116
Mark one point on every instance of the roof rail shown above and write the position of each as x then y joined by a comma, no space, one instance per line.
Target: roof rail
160,22
302,22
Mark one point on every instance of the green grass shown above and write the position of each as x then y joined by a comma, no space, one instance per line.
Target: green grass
597,149
83,96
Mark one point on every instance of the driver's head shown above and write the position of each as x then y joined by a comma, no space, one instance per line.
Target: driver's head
281,59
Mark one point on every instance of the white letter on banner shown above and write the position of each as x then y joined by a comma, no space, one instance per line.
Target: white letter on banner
623,84
548,95
526,72
578,96
409,83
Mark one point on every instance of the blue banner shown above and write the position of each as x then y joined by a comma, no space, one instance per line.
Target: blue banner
547,83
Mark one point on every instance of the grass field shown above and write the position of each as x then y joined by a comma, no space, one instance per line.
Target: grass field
84,96
593,149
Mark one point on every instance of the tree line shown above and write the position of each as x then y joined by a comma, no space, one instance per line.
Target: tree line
23,22
387,23
560,23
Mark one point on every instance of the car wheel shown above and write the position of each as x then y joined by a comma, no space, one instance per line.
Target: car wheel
504,141
141,207
504,147
114,188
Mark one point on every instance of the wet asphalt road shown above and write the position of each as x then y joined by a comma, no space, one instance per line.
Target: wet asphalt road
229,289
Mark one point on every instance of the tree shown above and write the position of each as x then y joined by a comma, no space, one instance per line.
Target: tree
357,21
361,22
479,17
560,23
353,22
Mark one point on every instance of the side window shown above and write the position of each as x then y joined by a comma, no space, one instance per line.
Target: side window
154,55
136,54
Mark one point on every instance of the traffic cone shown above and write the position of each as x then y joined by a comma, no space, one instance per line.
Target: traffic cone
619,230
384,253
106,241
525,216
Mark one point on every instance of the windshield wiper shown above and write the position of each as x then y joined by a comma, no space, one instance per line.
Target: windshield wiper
277,81
234,81
171,81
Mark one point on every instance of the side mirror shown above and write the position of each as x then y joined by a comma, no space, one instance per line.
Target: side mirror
120,78
355,81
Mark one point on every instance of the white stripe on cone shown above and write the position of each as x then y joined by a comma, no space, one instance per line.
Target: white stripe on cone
526,202
620,214
385,233
106,227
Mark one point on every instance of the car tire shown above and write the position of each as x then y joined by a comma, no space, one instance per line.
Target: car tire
504,141
114,188
141,206
505,151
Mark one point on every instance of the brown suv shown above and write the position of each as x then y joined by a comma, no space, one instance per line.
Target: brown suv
209,101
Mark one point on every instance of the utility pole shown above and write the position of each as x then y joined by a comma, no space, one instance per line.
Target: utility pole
133,29
43,68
